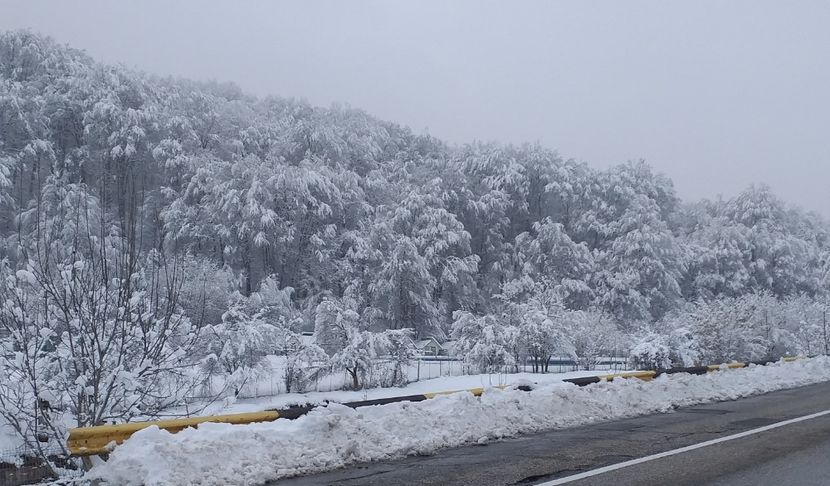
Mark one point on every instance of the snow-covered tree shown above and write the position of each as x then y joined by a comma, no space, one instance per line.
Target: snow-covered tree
400,350
93,331
238,346
303,361
482,341
334,321
592,334
357,351
548,253
360,356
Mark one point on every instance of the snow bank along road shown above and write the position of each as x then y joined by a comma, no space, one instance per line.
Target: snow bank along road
793,453
335,436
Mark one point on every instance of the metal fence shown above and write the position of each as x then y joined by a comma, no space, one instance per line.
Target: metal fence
271,384
428,367
23,465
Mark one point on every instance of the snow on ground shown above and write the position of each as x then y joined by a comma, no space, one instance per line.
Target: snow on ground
9,440
269,383
334,436
444,383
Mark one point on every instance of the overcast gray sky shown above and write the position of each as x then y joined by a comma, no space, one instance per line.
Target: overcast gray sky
716,94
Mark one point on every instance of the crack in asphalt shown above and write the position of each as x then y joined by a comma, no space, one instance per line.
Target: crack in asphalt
599,461
541,477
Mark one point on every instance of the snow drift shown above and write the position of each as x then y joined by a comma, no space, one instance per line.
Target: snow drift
334,436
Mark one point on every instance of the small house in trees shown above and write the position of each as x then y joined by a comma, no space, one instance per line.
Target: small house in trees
429,347
307,338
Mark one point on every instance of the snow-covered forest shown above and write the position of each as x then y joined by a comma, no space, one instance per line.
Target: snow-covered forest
154,231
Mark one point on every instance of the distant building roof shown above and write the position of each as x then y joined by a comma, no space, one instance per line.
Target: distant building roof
422,343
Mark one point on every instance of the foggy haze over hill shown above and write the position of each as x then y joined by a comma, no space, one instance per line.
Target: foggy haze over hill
717,95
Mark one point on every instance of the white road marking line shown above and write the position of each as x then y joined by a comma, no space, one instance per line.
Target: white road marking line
621,465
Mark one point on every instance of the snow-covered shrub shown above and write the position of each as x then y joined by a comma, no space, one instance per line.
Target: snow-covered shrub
238,346
400,351
482,341
302,361
359,352
255,327
360,356
333,323
651,351
592,335
684,347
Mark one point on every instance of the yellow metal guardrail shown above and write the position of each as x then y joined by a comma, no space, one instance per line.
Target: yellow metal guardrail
92,441
477,392
99,440
641,375
731,366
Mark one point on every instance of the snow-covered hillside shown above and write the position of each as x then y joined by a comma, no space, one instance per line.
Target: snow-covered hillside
163,239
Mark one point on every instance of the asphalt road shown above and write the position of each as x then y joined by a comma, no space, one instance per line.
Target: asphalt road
797,453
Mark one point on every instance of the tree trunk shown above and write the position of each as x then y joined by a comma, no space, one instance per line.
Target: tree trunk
355,381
